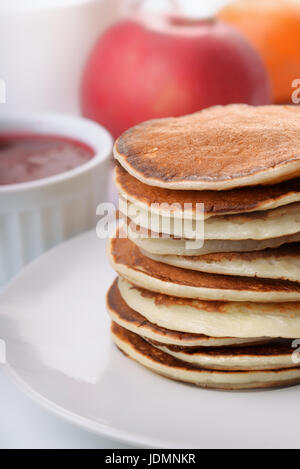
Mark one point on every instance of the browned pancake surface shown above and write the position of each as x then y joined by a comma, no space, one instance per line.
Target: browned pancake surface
145,348
125,252
116,303
124,313
203,305
215,202
219,144
287,250
278,348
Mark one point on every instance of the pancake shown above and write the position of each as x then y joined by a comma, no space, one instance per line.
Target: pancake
126,317
219,148
274,356
282,263
282,221
172,246
164,364
214,318
130,263
243,200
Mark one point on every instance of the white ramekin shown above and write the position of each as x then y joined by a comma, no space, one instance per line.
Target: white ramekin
34,216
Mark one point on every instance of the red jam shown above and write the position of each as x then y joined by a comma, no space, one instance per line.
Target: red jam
29,157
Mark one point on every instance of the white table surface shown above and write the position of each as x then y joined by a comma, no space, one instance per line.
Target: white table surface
24,425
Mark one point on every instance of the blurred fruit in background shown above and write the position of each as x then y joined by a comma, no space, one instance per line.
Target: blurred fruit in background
273,27
149,67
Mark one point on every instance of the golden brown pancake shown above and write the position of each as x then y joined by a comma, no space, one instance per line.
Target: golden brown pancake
261,225
164,364
174,246
144,272
276,355
243,200
219,148
282,263
214,318
126,317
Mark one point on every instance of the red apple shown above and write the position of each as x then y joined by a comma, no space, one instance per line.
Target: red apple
151,68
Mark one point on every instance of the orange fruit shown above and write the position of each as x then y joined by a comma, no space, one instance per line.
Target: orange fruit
273,28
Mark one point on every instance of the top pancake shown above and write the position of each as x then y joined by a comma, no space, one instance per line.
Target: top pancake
219,148
242,200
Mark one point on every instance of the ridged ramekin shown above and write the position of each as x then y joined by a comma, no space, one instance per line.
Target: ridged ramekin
34,216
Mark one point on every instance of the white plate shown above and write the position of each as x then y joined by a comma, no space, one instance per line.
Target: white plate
59,351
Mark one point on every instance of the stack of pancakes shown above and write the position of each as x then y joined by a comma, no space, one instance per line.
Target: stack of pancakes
223,314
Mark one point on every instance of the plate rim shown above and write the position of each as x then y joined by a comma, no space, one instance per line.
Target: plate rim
108,431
